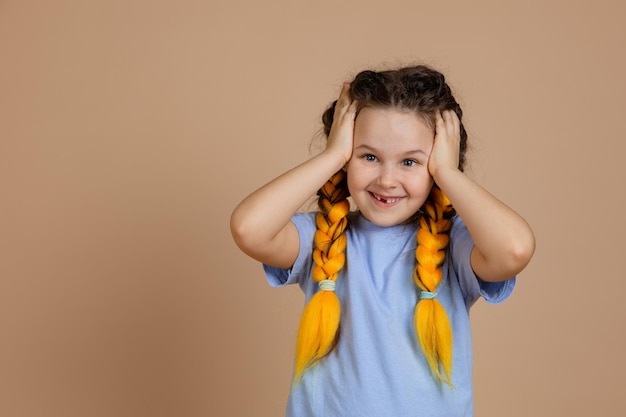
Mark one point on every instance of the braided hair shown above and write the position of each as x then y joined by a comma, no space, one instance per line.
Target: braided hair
424,91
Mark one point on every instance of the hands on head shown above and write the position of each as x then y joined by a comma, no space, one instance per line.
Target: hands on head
446,148
341,135
445,152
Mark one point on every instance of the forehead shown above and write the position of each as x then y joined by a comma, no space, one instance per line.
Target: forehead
382,124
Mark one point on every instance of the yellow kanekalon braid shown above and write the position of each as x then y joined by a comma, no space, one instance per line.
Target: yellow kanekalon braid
432,325
319,323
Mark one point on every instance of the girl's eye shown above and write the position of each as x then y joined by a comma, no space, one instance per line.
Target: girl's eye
410,162
369,157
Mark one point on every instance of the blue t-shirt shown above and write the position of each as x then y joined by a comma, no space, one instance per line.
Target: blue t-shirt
378,368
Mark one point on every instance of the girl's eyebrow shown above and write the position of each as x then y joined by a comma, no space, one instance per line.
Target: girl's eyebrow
374,150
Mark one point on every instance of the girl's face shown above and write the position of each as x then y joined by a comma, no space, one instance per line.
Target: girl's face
388,174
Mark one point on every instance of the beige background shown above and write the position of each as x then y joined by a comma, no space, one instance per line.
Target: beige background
129,129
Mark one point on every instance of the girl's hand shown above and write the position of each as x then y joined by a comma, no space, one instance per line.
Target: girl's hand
341,136
445,152
261,224
503,241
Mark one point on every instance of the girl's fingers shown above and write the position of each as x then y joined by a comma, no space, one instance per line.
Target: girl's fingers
440,122
345,105
352,108
447,117
448,121
341,133
344,96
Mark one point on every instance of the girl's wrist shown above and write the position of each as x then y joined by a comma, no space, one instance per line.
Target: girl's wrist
449,180
340,159
441,174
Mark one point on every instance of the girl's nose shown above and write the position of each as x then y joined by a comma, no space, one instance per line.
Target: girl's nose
387,176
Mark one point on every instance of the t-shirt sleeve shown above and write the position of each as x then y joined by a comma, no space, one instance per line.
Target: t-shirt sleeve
278,277
461,245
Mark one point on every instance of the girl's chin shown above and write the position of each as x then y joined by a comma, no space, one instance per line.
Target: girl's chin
385,221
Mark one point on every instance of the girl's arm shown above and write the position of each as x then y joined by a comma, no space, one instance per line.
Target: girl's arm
504,242
261,224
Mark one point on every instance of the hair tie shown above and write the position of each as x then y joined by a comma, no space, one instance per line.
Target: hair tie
427,295
327,285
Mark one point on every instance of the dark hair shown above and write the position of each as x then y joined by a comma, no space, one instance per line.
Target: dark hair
419,89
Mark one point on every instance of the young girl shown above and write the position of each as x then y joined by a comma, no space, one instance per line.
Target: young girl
385,330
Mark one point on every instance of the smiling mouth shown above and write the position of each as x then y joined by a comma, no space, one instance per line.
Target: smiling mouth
386,200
